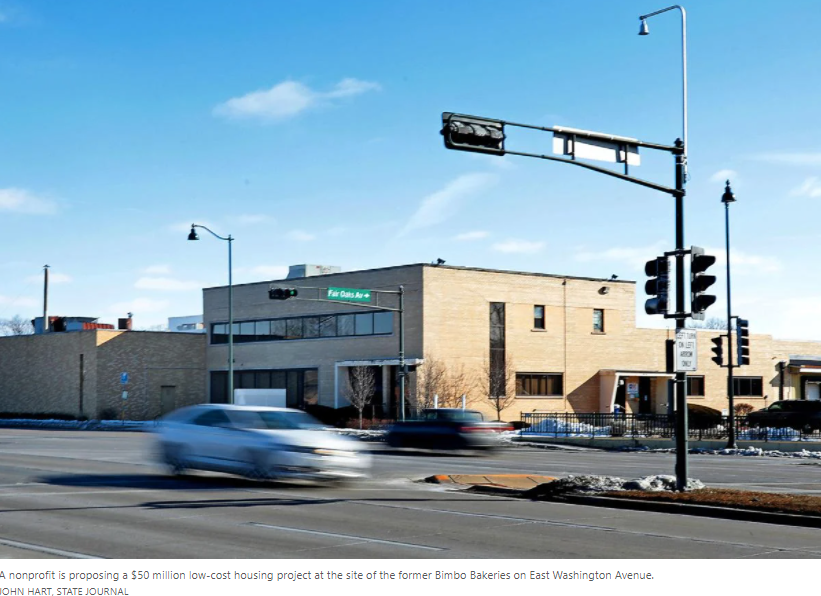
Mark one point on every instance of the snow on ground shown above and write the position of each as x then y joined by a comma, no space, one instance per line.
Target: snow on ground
598,484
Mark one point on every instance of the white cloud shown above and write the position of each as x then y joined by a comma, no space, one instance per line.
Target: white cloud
300,236
23,301
20,200
53,278
288,99
518,246
634,257
139,306
166,284
443,204
723,175
468,236
791,159
265,271
811,188
743,262
157,270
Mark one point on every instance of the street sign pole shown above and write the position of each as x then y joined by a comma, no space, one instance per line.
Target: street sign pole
681,376
402,368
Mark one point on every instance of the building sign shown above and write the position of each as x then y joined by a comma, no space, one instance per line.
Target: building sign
632,390
686,350
349,294
123,378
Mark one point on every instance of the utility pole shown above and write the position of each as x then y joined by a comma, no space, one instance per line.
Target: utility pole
45,298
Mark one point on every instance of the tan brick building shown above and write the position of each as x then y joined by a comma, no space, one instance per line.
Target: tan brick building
568,343
79,373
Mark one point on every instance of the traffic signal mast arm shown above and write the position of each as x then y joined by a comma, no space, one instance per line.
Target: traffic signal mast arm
486,135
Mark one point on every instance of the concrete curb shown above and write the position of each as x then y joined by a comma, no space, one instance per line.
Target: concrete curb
764,517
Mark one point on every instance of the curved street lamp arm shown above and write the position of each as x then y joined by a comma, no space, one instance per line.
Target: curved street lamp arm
229,238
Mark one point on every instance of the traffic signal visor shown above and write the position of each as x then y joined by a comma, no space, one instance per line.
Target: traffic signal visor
700,281
658,285
718,350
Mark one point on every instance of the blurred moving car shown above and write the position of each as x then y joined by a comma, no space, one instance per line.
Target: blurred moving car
257,442
799,414
447,428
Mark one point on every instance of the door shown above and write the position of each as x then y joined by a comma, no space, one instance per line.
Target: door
813,391
645,397
168,399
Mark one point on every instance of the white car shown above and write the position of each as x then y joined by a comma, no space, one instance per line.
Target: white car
257,442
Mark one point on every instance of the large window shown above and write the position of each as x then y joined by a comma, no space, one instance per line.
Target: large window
748,386
695,386
301,385
538,316
308,327
498,381
539,384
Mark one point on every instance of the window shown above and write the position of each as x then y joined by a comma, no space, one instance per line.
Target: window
212,418
278,329
538,316
497,380
598,320
293,328
344,325
219,333
382,323
748,386
327,326
539,384
695,386
364,324
262,330
311,327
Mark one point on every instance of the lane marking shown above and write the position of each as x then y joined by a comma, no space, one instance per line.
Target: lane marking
357,539
45,549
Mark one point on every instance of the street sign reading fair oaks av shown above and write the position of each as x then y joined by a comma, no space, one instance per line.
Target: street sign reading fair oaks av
349,294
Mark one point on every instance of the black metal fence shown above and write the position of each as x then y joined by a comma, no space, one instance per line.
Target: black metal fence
650,426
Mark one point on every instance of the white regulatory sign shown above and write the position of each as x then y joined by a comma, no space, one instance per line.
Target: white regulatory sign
686,350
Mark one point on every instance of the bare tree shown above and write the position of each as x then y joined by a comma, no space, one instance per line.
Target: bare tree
362,386
711,323
498,384
448,382
16,325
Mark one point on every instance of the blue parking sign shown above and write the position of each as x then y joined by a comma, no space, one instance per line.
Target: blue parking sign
123,378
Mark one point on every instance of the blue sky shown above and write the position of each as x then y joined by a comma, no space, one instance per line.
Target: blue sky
309,131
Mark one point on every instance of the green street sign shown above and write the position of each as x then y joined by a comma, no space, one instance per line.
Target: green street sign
349,294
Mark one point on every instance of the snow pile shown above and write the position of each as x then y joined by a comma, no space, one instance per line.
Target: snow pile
591,485
363,435
79,424
555,427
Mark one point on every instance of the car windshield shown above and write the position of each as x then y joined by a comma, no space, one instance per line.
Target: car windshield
275,420
468,415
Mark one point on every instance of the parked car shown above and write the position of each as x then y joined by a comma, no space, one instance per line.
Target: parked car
801,415
447,428
257,442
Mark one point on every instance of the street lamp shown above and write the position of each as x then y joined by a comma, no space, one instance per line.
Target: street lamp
193,236
681,180
727,198
645,30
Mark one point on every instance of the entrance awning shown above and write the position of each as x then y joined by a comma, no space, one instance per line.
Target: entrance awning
380,362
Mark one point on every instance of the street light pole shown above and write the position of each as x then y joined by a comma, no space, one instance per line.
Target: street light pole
646,31
402,370
680,315
727,198
230,240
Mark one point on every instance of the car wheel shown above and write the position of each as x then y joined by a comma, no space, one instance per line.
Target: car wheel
175,460
256,466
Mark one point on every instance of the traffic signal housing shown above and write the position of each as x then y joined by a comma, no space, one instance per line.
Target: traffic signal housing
282,293
742,327
718,350
468,133
700,281
658,270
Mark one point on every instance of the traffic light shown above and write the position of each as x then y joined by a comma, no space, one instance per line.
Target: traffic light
718,350
742,327
658,285
282,293
700,281
467,133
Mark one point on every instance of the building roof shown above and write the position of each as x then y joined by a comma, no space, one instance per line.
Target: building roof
452,267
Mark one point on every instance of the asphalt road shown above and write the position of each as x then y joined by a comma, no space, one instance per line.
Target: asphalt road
97,494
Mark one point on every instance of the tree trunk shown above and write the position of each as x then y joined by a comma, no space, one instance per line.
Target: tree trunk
360,419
